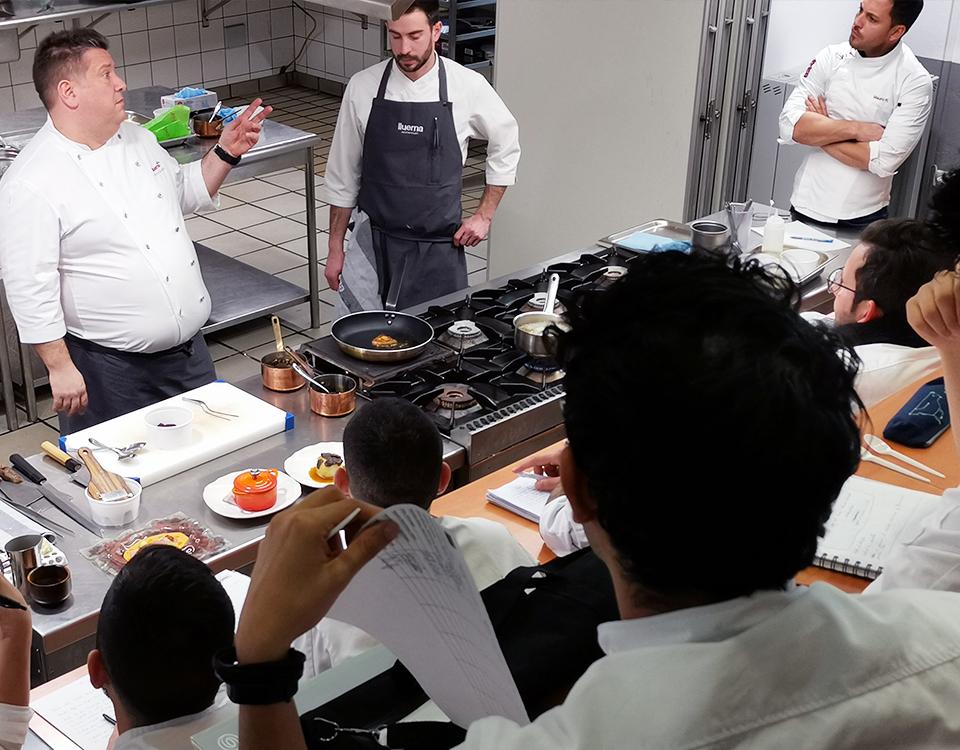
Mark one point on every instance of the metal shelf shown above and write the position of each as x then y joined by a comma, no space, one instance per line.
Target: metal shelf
479,65
472,35
456,40
467,4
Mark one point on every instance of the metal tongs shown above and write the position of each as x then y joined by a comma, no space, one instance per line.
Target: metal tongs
212,412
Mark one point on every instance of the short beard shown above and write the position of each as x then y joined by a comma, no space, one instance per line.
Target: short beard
423,61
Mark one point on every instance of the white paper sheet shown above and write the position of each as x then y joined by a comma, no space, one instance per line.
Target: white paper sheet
236,585
417,597
77,710
797,229
522,497
870,517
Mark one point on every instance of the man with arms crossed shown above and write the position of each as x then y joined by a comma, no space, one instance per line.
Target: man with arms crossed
863,105
99,271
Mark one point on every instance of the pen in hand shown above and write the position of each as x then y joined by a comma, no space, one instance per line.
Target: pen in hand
8,603
109,719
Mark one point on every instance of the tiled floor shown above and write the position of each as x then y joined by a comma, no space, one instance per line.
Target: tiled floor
262,222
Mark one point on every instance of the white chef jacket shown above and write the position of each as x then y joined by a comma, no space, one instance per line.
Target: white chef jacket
559,531
94,242
885,368
815,668
490,553
894,91
478,112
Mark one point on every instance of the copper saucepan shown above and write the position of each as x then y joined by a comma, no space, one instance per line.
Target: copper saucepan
340,398
276,368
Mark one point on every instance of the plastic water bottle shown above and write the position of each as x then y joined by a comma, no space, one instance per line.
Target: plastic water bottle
773,232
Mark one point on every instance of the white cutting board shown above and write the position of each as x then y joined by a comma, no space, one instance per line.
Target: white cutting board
212,437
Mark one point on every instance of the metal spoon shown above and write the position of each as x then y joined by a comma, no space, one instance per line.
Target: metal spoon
122,453
878,446
302,373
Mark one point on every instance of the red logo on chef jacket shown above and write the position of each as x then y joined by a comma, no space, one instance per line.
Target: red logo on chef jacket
156,168
810,67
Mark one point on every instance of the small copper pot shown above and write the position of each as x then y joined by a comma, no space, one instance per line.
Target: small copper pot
341,400
277,374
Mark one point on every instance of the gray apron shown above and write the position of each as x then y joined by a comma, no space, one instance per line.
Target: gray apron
410,185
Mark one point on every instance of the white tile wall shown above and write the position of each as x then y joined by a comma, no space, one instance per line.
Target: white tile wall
166,45
339,46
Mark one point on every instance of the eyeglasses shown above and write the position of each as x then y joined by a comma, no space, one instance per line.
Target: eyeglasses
833,282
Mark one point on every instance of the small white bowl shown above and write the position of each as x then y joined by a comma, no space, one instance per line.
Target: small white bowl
800,262
118,513
169,438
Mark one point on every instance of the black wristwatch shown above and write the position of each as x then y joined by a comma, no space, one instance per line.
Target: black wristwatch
259,684
227,157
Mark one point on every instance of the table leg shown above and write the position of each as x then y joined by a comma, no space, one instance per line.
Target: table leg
6,371
29,389
313,272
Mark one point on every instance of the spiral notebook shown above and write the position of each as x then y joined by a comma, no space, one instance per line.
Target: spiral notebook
868,520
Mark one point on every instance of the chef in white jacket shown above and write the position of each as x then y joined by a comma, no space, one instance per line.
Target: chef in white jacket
863,105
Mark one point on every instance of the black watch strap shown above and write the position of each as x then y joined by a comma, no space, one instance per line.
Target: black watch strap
259,684
228,158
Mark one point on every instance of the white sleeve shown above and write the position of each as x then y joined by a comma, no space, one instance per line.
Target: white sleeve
342,178
560,532
30,262
313,646
191,187
931,559
904,129
812,83
14,725
490,119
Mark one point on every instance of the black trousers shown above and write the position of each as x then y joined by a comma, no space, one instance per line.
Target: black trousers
119,382
859,223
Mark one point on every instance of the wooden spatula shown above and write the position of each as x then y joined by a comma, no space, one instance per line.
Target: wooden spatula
104,486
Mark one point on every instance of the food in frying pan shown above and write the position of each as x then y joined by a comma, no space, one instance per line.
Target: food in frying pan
326,467
383,341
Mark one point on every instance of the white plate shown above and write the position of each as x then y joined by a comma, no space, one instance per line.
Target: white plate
218,495
299,464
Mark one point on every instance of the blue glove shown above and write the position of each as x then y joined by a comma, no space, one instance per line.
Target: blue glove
189,93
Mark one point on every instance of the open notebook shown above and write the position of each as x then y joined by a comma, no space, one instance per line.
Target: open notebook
521,497
868,520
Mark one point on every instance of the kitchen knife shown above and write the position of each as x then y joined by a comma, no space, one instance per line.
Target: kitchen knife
38,519
78,472
23,494
58,499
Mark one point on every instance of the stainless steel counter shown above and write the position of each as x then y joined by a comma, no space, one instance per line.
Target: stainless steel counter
62,636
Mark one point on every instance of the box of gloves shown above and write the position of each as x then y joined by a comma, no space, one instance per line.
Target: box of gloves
195,98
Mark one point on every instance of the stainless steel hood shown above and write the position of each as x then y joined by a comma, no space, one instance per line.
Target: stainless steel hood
385,10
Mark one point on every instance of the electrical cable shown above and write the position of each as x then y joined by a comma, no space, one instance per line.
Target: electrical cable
306,41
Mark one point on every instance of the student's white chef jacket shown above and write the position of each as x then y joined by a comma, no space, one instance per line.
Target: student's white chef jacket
94,242
894,91
478,112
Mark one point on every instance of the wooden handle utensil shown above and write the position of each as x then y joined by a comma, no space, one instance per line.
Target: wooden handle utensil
104,485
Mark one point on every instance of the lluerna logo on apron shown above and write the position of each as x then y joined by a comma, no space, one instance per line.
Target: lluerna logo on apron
409,129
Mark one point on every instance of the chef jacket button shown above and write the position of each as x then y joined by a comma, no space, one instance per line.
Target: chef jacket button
148,247
101,184
79,157
202,299
176,229
136,164
159,195
180,312
193,262
124,214
167,279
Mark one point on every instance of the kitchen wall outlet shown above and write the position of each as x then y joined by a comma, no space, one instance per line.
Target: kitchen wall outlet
235,35
9,45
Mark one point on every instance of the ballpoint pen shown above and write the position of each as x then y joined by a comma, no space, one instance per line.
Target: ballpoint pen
8,603
811,239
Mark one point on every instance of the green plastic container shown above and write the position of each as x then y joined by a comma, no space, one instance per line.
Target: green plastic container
174,123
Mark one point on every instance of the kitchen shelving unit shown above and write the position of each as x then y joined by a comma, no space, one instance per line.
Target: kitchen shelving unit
456,45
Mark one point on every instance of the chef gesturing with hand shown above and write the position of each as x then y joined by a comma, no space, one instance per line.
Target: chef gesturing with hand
863,105
99,271
396,168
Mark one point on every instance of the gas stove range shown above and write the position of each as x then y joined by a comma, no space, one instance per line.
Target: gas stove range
485,395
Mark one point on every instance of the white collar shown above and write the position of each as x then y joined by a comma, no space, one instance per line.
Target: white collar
878,62
133,734
432,75
71,145
708,623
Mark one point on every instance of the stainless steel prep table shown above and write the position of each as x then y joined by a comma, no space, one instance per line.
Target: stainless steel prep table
63,636
238,292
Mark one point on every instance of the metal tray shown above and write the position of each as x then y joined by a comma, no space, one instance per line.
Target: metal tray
664,227
807,278
171,142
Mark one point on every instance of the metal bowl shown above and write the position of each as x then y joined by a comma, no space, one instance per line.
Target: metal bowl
536,344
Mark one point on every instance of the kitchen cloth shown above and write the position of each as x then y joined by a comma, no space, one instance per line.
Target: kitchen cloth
652,243
923,419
